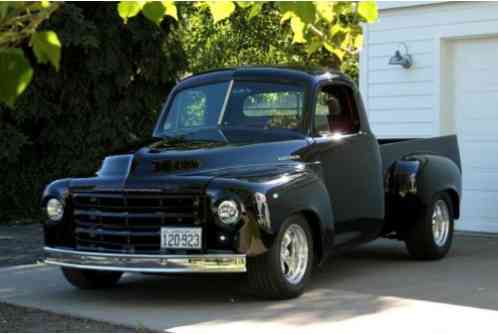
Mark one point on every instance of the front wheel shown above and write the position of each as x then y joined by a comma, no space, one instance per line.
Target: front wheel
282,271
431,236
86,279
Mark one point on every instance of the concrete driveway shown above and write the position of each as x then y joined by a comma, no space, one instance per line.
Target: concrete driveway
376,287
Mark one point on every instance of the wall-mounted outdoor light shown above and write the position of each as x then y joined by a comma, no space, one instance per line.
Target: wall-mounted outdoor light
403,59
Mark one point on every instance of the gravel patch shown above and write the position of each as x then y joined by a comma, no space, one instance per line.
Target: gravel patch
22,244
23,319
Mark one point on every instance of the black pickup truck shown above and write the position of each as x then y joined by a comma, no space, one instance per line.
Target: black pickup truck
260,170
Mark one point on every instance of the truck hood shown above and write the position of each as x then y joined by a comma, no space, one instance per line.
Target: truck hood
190,165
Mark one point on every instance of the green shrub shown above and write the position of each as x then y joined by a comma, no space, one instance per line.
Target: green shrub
111,84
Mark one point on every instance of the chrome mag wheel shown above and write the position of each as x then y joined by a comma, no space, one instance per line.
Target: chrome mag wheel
440,223
294,254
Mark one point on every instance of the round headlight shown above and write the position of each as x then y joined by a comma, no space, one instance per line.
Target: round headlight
55,209
228,212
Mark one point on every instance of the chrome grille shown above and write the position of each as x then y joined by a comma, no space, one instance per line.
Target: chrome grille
131,222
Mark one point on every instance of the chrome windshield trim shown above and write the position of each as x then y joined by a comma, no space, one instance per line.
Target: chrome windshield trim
225,102
147,263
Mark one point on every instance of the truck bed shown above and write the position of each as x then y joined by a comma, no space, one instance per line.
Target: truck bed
395,149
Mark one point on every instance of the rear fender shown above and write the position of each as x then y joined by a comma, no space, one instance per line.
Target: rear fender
412,182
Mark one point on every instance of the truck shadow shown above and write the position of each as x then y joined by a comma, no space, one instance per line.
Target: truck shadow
466,277
223,301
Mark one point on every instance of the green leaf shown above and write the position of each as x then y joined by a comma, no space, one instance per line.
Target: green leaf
255,10
335,50
297,26
154,11
16,74
347,41
314,46
244,4
171,9
47,47
336,28
330,48
368,9
300,14
127,9
286,16
326,10
343,7
305,10
221,9
339,53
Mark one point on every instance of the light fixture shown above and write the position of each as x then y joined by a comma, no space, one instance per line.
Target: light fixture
405,60
228,212
55,209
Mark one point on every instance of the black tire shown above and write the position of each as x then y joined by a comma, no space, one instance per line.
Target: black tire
420,240
265,276
86,279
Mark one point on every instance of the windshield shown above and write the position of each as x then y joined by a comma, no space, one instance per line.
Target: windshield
253,105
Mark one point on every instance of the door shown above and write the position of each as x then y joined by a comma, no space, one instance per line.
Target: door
474,103
350,163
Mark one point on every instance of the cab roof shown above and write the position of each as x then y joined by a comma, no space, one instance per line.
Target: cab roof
306,74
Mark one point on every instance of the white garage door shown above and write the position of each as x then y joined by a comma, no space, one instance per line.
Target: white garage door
474,78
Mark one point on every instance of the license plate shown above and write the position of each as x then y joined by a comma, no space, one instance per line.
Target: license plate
181,238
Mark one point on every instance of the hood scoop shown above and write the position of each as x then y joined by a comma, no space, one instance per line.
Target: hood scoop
180,145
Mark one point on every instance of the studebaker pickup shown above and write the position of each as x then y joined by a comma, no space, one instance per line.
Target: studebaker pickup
260,170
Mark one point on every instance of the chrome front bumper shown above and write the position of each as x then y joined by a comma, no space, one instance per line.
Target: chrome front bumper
203,263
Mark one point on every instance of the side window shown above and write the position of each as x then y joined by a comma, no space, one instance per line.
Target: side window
336,111
321,113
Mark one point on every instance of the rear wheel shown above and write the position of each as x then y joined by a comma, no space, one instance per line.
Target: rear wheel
431,236
91,279
283,271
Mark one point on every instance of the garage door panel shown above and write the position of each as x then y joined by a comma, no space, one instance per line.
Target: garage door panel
481,155
477,130
474,81
480,204
472,78
477,180
472,106
476,54
473,225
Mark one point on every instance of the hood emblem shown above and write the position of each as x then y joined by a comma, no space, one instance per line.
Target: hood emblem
169,166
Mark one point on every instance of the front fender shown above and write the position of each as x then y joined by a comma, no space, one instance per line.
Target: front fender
266,201
58,233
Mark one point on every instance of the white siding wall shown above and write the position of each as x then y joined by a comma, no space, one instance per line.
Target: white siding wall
402,103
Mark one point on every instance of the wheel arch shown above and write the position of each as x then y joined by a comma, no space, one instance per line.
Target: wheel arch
308,197
455,202
314,222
